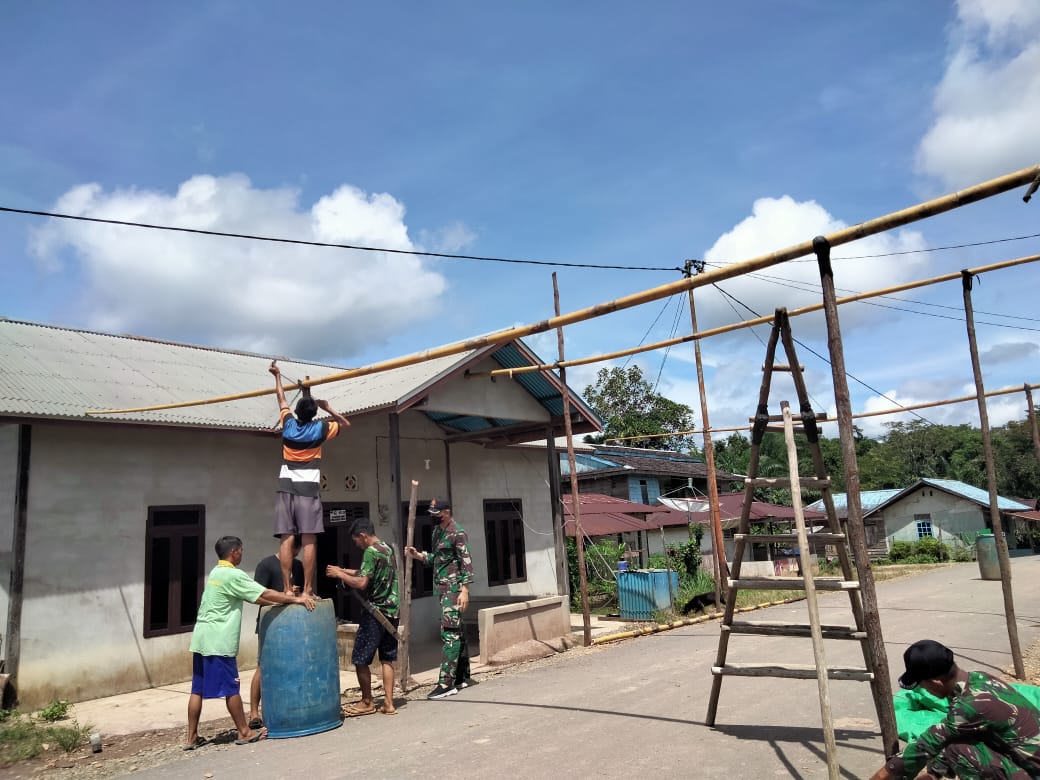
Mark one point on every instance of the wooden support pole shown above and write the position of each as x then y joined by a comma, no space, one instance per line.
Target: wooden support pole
844,236
1033,426
815,631
881,685
991,479
718,547
13,644
405,678
563,584
579,536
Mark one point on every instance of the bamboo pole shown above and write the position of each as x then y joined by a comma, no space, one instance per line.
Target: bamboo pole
845,235
881,685
406,681
718,548
579,537
991,479
734,326
822,683
1032,420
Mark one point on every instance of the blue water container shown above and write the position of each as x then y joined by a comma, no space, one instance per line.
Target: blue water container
300,683
986,552
642,591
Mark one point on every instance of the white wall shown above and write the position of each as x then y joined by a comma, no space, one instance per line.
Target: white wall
949,513
8,481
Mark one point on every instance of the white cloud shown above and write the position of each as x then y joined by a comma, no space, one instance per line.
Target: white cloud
1009,352
783,221
987,105
308,302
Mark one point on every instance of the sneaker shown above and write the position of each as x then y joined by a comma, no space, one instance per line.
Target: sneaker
440,692
469,682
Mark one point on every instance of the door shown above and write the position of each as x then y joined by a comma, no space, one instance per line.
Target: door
335,547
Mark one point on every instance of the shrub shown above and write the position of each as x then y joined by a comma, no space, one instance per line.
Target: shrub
930,546
56,710
69,737
898,552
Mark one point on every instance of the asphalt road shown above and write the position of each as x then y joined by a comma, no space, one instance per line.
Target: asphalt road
637,707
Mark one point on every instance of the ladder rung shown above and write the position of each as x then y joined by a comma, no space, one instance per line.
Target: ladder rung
794,671
783,367
777,628
796,416
818,537
791,583
780,429
805,482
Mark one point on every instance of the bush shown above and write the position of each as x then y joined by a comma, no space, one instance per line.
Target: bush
69,737
686,559
898,552
56,710
930,546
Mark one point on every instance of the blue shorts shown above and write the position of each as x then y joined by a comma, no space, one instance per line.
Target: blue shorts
372,635
214,676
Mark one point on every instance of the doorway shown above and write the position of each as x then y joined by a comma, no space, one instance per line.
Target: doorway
336,547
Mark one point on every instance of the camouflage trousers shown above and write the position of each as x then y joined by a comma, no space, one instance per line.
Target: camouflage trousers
454,652
976,762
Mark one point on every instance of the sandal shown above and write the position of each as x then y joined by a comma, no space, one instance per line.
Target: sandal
199,742
358,709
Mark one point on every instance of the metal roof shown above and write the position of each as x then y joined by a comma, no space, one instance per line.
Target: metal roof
55,372
874,500
869,501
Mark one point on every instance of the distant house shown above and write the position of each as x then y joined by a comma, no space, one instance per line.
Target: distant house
118,513
615,518
945,509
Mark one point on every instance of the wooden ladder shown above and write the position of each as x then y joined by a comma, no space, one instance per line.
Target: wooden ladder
834,535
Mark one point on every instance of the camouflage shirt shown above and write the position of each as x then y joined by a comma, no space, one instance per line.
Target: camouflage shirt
452,564
378,565
986,711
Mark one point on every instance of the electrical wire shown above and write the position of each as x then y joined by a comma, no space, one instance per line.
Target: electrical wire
664,357
664,308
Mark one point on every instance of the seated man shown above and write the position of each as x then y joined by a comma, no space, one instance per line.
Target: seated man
990,731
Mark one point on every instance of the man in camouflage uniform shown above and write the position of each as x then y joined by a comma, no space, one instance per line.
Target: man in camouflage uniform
990,731
452,574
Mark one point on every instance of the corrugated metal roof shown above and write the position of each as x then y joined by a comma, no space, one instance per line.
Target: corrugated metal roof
872,500
869,501
972,493
48,371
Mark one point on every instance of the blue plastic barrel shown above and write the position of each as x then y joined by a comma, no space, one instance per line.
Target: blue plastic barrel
986,551
300,664
643,591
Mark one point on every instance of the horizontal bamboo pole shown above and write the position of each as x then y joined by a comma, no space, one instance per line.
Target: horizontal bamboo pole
765,320
844,236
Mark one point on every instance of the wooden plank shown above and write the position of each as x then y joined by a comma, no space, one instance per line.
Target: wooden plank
820,417
792,671
784,367
791,583
778,628
823,536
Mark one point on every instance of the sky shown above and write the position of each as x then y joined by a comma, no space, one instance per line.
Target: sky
604,133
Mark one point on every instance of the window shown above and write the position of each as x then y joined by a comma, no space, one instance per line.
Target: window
504,534
173,568
924,526
644,491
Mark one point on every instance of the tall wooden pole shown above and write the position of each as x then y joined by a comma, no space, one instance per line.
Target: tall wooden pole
579,537
563,585
407,683
718,547
13,648
881,685
1033,426
991,480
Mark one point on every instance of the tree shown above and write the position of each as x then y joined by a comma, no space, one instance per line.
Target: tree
630,406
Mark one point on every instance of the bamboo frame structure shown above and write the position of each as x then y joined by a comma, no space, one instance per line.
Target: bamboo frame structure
844,236
406,681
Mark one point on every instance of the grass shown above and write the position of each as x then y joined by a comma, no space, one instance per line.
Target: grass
24,736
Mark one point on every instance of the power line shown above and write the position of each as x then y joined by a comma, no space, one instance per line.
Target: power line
303,242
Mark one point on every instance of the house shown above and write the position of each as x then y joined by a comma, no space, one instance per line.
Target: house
946,509
109,520
606,516
639,475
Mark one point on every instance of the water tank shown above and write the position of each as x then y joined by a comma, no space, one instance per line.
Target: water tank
986,551
300,664
642,591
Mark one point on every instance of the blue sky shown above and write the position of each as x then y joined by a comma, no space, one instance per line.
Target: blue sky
609,133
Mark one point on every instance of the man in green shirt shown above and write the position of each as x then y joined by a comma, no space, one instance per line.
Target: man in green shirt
218,629
377,578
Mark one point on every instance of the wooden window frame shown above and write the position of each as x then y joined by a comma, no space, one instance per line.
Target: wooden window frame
505,557
174,588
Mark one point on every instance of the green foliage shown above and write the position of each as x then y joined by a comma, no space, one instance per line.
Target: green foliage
68,737
56,710
600,566
898,552
685,559
6,715
631,406
927,550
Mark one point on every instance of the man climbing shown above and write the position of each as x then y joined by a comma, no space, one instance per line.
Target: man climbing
298,505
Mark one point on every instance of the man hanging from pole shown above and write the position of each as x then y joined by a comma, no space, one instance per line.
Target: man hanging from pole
298,505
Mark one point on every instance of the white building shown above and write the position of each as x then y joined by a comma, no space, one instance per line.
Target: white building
109,520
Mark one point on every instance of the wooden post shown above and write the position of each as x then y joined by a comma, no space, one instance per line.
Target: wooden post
1032,421
991,479
405,678
563,583
881,685
579,537
804,557
718,545
13,647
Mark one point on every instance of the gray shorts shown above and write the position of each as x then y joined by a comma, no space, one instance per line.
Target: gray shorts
297,515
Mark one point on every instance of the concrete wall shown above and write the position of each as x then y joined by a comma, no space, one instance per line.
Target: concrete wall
540,619
949,513
90,489
8,479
